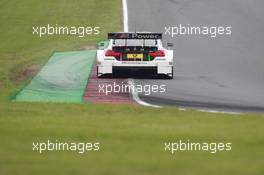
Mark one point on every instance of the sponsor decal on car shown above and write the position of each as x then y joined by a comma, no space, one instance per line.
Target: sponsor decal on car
134,62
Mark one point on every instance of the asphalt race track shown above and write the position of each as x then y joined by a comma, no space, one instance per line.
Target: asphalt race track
226,72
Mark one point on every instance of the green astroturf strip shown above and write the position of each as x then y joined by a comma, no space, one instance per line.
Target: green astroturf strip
62,79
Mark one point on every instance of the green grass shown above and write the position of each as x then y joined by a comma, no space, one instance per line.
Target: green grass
132,140
132,137
19,48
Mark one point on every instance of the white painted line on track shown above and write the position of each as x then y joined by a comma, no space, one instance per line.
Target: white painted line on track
131,81
216,111
135,96
125,15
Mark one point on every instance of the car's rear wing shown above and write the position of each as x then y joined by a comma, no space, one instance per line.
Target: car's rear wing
153,36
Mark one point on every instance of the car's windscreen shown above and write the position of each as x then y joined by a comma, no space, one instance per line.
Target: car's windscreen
134,42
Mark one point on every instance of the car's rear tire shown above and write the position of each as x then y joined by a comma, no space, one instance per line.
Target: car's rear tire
170,76
98,75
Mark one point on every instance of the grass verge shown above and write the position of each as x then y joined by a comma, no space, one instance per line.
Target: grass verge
132,140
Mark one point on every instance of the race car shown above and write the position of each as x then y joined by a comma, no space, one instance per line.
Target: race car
135,51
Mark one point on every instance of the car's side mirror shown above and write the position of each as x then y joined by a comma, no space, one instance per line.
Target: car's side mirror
101,45
169,44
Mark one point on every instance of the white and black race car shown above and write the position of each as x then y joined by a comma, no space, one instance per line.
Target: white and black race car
135,51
